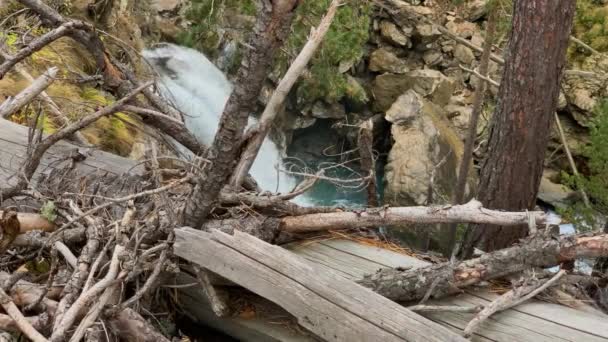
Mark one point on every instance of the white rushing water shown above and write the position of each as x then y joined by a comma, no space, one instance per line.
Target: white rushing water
200,90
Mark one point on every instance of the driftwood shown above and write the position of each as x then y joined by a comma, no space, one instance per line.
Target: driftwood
332,307
472,212
448,278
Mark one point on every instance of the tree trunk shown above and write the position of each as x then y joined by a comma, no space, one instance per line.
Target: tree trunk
519,133
272,28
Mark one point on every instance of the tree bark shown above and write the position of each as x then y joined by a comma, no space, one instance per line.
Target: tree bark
520,128
448,278
271,30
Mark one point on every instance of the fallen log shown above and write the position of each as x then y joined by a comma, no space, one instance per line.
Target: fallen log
448,278
329,305
472,212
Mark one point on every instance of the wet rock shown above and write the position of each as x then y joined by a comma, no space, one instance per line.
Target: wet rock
391,33
382,60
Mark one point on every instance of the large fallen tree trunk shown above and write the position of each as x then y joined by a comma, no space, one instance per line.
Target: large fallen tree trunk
447,278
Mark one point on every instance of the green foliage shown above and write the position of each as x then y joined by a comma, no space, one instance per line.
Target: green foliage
343,43
591,24
48,211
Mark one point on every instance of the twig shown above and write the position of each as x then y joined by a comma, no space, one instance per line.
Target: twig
480,76
150,282
584,45
508,300
94,313
67,254
86,297
562,137
120,200
39,43
24,325
216,299
151,112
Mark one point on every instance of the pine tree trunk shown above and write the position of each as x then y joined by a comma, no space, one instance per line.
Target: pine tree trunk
519,133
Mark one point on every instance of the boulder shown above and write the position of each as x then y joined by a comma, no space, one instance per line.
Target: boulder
382,60
475,9
425,155
462,29
464,54
391,33
432,84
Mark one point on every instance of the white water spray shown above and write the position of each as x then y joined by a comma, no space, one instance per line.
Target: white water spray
200,90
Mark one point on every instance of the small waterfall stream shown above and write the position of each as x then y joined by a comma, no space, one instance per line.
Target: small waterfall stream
200,90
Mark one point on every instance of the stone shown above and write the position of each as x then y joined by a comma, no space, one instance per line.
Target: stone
462,29
382,60
464,54
323,110
405,109
475,9
432,57
427,33
557,195
426,154
161,6
429,83
391,33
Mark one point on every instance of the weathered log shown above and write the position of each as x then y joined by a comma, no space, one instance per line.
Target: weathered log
447,278
472,212
329,305
130,326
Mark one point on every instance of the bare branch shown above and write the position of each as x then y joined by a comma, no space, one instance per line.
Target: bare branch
24,325
40,42
12,105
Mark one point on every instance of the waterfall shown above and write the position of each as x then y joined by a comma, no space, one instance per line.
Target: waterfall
190,81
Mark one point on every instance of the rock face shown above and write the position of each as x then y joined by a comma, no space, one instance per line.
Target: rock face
423,162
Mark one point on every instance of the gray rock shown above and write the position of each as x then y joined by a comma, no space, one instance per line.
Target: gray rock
464,54
382,60
432,84
166,5
405,109
558,195
432,57
476,9
322,110
391,33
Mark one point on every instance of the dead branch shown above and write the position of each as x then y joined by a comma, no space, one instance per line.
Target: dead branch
24,325
67,254
537,251
271,30
87,297
40,42
508,300
52,106
216,298
31,163
467,155
12,105
30,221
132,327
472,212
365,142
278,97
